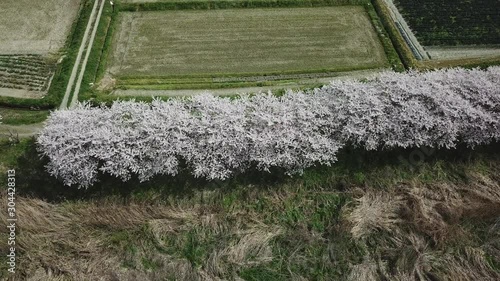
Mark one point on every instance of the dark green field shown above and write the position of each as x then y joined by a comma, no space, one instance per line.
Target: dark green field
453,22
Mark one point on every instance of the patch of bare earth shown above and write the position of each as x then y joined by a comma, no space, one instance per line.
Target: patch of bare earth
20,93
244,41
107,83
30,33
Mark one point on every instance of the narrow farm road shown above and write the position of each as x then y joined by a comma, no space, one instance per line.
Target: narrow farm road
74,100
93,22
20,130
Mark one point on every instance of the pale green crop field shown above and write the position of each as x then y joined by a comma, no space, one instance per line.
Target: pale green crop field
244,41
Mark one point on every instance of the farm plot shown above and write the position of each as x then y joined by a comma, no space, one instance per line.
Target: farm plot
453,22
35,27
25,72
25,75
244,42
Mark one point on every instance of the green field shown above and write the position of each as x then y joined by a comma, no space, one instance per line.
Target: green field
453,22
14,116
244,42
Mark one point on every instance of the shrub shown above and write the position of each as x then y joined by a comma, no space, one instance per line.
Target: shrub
215,137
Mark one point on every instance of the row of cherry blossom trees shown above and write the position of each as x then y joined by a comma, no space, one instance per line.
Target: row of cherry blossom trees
217,137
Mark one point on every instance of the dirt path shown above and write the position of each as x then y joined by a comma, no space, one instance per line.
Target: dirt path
93,22
74,100
20,130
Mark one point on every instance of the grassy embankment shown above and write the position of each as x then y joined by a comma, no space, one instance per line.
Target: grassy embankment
11,116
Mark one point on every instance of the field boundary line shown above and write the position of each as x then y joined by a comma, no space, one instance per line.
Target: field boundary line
71,81
406,32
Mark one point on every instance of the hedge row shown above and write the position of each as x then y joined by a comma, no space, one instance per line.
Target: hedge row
217,137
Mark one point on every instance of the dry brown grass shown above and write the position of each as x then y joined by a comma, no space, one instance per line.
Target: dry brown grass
414,231
365,271
64,241
251,246
435,209
70,241
470,264
374,211
417,223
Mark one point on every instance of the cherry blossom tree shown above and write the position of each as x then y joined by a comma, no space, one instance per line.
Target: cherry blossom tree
216,137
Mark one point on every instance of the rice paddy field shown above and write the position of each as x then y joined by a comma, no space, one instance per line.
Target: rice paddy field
35,27
241,42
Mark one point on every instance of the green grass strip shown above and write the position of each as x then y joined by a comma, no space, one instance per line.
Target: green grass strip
390,51
402,48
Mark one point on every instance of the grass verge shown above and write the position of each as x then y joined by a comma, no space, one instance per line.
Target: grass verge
22,116
385,39
466,63
398,42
